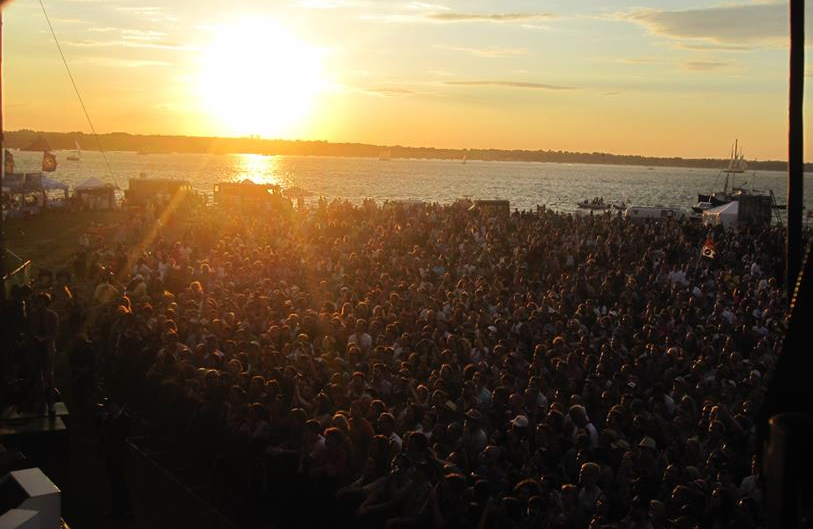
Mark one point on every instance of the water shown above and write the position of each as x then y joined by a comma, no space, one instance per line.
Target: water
526,185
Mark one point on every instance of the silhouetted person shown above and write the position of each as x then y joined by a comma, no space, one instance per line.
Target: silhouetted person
82,362
44,329
113,450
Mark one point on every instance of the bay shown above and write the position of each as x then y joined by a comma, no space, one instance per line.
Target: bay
524,184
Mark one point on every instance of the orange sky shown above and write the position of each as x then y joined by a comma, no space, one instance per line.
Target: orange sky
637,78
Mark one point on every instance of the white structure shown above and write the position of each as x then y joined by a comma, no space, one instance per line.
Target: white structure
654,213
95,194
725,215
43,506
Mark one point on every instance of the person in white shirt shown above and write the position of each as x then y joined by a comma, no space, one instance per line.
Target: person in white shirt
360,338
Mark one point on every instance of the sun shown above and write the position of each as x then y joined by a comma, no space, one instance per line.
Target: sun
256,77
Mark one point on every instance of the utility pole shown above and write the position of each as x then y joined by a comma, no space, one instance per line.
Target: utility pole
793,248
2,174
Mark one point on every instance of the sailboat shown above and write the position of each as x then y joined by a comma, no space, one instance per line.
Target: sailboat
730,192
736,165
465,159
77,153
384,156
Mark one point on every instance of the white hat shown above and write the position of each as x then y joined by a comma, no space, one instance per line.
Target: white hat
520,421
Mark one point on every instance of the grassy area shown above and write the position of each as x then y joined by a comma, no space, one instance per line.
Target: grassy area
50,240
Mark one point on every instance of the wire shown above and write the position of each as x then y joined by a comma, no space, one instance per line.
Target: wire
78,95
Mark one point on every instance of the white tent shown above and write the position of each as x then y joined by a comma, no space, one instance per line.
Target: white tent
725,215
95,194
91,183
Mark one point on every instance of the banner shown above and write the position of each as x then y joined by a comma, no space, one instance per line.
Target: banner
48,162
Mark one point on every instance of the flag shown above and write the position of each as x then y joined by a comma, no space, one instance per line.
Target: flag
9,162
709,249
48,162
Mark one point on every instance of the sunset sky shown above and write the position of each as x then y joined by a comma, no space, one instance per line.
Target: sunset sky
682,78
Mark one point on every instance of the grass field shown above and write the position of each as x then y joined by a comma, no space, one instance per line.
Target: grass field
50,239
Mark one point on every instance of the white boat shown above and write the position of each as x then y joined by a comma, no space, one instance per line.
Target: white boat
654,212
730,192
384,156
595,204
77,153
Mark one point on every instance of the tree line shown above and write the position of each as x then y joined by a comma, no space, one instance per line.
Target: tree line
158,144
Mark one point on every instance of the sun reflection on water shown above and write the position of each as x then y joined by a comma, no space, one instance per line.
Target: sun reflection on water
260,169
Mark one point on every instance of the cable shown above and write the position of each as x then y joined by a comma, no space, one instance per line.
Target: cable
78,95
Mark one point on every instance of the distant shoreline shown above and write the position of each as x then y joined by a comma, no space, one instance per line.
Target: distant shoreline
158,144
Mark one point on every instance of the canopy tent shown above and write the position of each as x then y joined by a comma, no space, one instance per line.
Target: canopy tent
92,183
49,183
92,193
725,215
38,145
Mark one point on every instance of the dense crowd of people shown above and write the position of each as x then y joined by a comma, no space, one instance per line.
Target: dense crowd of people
416,365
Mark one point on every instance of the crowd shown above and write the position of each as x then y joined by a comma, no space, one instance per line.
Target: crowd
438,366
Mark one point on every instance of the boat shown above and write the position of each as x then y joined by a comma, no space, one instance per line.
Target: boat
752,205
595,204
730,192
464,160
656,212
77,153
384,156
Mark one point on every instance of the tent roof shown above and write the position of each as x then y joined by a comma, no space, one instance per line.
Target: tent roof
93,183
40,144
50,183
732,208
727,214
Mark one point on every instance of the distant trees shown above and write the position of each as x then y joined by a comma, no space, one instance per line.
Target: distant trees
122,141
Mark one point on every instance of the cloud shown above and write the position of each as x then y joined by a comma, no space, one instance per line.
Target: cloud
493,17
737,25
142,35
121,63
705,66
450,17
640,60
142,9
69,21
328,4
388,92
130,44
611,93
423,6
149,13
711,46
487,52
512,84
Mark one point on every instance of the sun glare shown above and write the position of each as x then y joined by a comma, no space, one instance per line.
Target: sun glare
258,78
259,168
